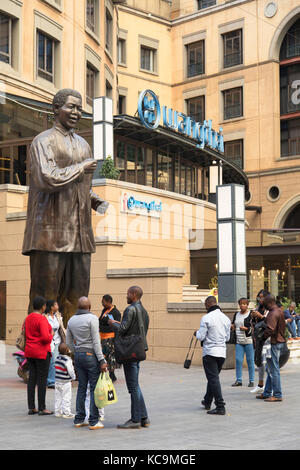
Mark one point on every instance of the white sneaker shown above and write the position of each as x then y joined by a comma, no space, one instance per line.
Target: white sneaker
58,415
68,416
257,389
99,425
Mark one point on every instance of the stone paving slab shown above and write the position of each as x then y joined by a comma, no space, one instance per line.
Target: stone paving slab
178,422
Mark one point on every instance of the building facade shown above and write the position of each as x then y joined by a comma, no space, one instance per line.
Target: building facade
237,63
234,63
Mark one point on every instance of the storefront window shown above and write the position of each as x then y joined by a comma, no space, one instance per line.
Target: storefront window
182,179
5,165
176,175
164,172
120,160
140,166
131,150
189,180
149,167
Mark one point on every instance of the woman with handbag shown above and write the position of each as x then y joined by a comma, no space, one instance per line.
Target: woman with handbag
133,330
55,320
241,324
38,353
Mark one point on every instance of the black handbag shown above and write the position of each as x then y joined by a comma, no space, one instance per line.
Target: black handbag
130,348
187,363
232,339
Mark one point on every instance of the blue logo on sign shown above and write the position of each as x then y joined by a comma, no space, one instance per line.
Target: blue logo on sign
150,114
149,109
132,203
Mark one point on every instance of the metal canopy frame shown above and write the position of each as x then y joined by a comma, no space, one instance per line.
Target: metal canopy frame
131,127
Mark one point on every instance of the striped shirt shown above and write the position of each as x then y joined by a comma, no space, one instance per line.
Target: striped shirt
64,370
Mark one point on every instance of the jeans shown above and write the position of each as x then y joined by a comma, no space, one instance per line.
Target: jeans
88,370
138,407
38,371
273,383
292,328
240,351
51,373
212,367
297,321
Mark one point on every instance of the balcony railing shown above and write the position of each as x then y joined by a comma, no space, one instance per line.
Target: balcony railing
290,147
195,69
206,3
233,111
232,59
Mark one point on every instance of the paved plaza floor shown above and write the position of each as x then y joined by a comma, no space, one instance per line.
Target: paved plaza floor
178,422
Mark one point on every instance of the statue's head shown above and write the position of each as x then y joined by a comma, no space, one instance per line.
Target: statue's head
67,107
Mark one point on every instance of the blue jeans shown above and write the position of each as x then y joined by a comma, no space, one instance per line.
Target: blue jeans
138,407
88,370
51,373
240,351
292,328
297,321
273,383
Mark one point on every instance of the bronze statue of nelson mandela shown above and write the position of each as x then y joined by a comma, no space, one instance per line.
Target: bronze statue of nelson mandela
58,235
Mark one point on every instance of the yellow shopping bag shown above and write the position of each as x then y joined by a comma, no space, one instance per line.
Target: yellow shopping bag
104,393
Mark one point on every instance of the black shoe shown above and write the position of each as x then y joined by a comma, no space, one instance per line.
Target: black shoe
33,412
206,405
129,425
237,384
216,411
51,386
251,384
145,423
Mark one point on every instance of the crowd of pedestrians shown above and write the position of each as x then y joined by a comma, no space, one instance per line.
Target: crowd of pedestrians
90,341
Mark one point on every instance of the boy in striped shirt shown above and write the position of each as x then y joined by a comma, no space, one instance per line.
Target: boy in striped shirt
64,374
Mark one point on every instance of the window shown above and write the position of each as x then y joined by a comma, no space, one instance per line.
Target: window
291,43
289,89
233,103
122,104
232,43
290,137
108,88
90,84
234,152
195,59
205,4
91,15
108,31
148,59
121,51
5,38
196,108
45,58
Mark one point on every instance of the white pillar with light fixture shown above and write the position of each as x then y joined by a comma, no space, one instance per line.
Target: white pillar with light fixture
215,179
231,248
103,134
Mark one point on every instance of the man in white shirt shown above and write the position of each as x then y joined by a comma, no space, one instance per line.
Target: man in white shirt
213,333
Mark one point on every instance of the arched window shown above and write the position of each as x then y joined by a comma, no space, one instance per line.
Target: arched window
293,219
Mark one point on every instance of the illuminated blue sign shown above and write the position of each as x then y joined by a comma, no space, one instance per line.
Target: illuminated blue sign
150,114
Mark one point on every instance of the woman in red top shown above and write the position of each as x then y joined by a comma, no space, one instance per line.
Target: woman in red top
38,334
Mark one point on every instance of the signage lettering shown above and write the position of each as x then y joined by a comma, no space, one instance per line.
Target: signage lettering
150,114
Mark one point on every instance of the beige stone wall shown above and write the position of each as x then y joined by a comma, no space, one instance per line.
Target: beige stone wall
259,127
123,258
69,23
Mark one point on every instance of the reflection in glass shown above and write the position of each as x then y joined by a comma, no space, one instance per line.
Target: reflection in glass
120,160
176,175
131,149
149,167
4,165
140,166
164,172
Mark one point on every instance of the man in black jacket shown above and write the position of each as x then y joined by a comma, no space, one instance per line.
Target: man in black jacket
130,326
